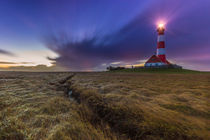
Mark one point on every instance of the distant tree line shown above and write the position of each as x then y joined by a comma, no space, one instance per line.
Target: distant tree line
110,68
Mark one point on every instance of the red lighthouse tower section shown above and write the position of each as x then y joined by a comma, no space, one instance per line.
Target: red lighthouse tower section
161,44
161,53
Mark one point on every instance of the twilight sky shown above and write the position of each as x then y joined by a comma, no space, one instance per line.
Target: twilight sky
93,34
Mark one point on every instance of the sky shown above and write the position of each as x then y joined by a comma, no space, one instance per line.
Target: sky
93,34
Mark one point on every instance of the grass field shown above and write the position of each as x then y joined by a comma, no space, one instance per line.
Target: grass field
160,70
105,105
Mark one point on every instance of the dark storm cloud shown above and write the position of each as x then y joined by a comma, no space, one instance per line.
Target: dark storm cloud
92,52
6,52
187,38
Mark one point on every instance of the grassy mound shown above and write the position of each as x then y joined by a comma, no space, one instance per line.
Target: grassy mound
158,70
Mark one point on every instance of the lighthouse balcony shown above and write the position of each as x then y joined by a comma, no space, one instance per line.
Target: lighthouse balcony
162,65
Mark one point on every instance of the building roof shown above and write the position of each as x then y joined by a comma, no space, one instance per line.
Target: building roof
156,59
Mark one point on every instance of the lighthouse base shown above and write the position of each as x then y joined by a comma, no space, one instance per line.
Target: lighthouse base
156,62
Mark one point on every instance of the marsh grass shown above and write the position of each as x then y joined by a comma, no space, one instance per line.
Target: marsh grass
148,105
34,106
106,106
131,120
187,110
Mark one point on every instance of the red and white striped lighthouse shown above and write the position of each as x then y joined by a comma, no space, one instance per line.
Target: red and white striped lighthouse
161,53
159,59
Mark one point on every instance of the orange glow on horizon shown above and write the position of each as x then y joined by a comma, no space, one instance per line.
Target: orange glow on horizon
4,66
136,65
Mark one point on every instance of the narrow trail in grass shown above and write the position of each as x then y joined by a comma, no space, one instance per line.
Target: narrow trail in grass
86,112
64,84
96,118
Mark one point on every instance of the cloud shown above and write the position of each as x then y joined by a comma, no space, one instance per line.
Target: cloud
91,52
6,52
9,63
116,63
37,68
186,33
6,63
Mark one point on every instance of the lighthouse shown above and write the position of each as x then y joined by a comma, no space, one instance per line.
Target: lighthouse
159,60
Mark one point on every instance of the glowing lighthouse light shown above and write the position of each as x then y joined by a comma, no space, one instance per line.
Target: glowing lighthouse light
161,25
